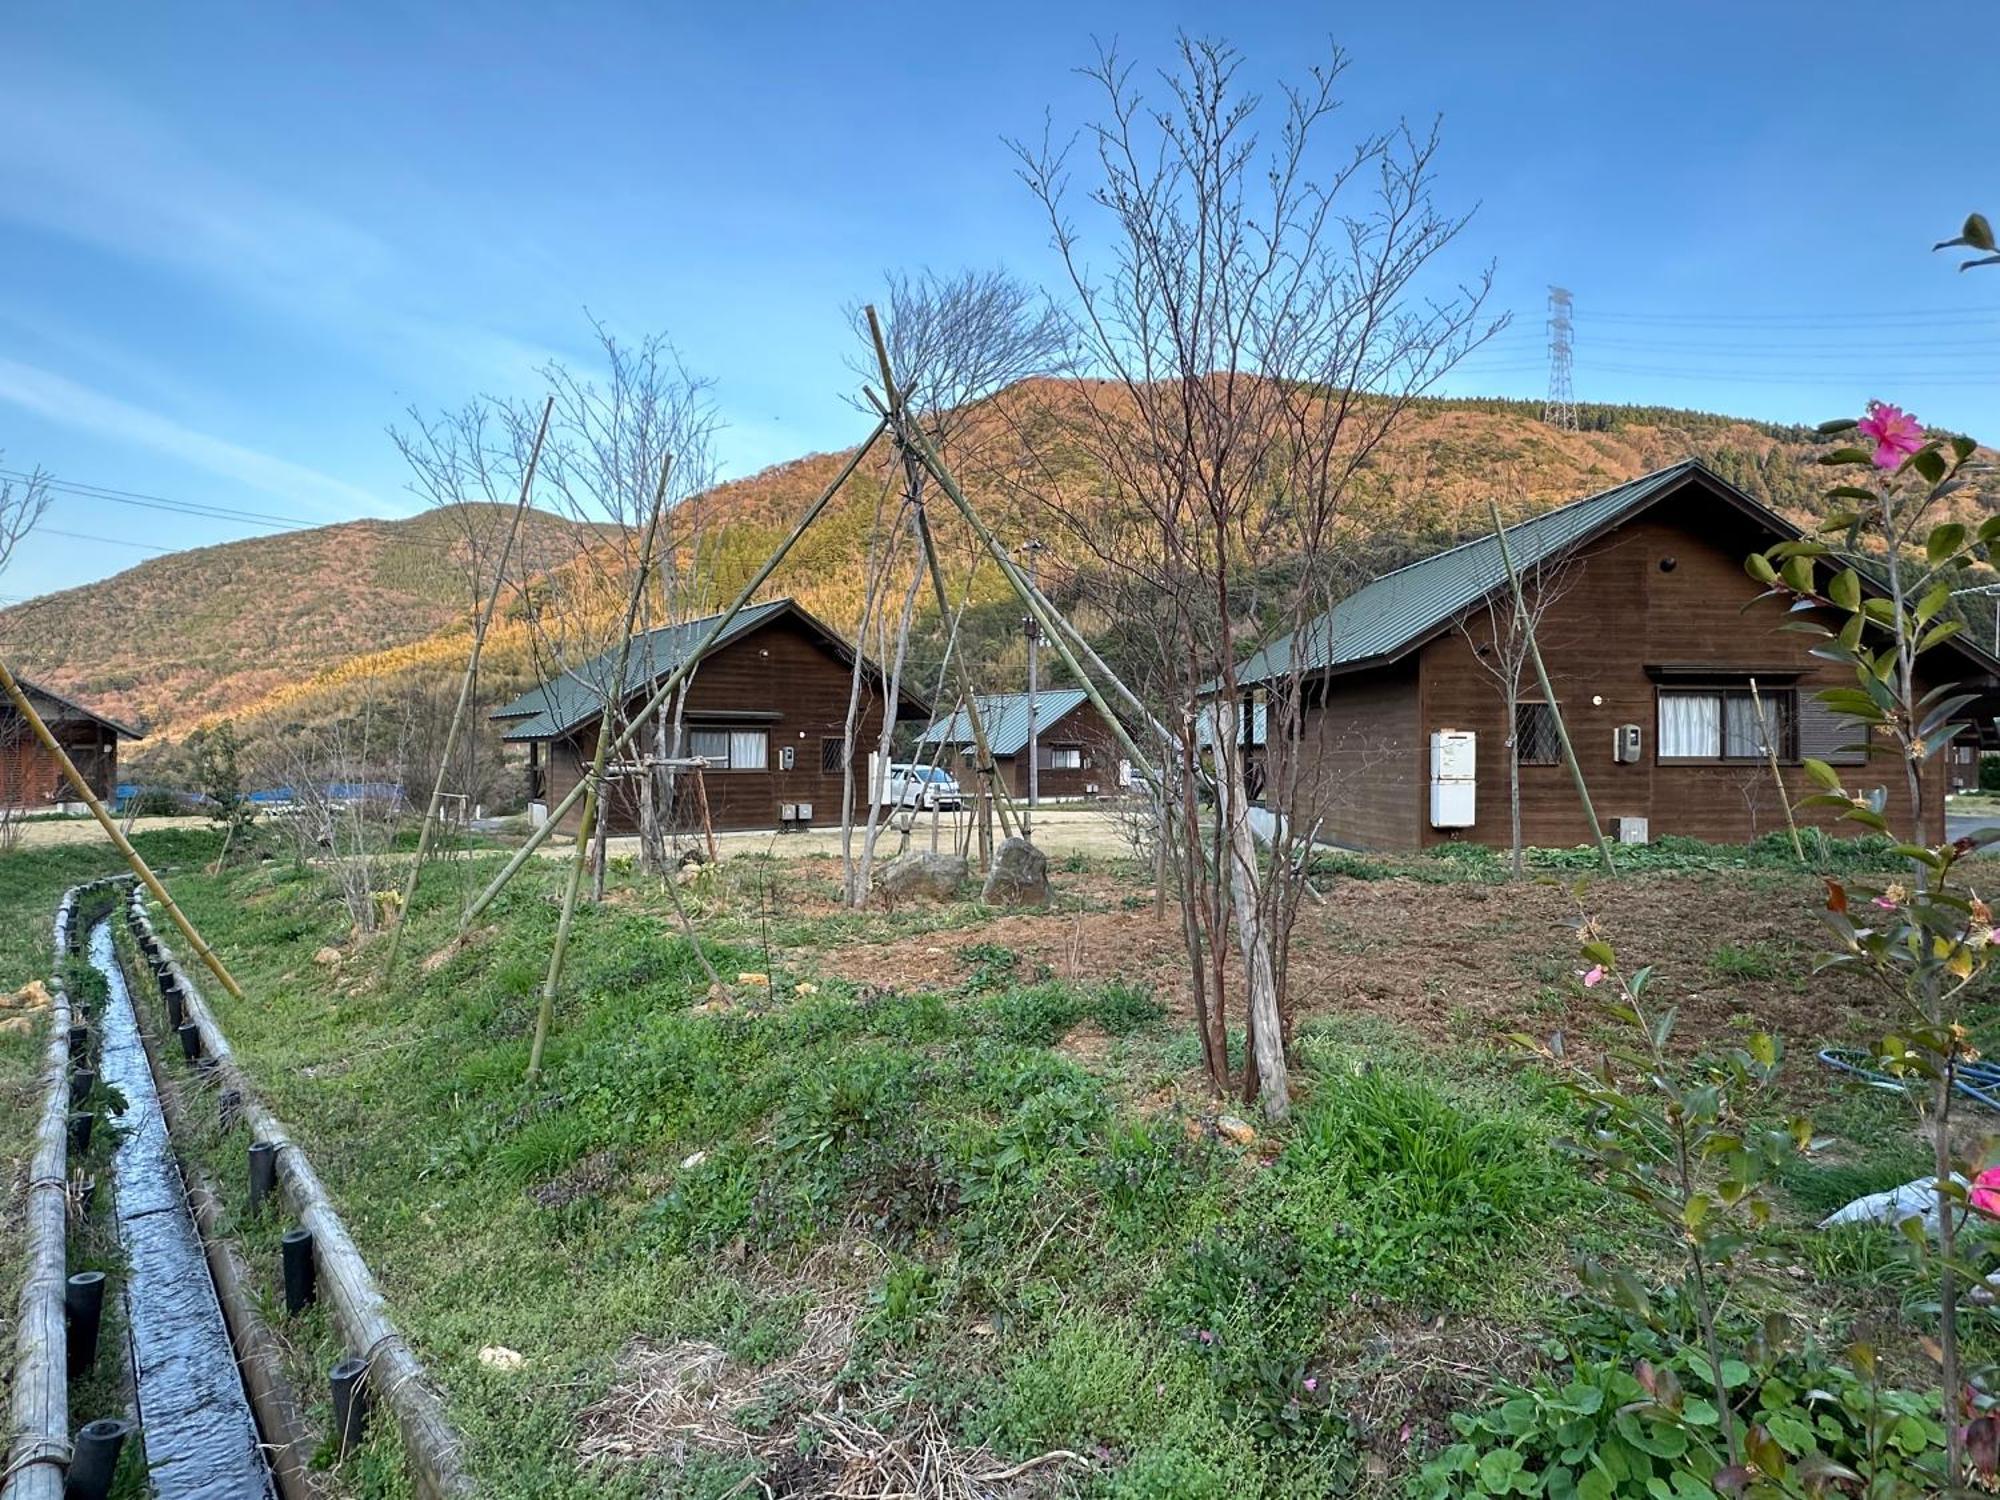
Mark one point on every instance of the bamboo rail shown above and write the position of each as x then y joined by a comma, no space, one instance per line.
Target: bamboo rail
39,1450
434,1449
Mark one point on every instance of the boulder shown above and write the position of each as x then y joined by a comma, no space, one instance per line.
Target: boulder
938,876
1019,877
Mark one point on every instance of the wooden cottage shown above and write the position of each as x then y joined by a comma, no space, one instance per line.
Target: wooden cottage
1078,753
30,779
765,709
1652,643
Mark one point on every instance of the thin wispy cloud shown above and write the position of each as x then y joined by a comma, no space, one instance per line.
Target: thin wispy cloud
82,162
56,398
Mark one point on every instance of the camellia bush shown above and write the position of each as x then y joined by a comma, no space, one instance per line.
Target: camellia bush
1928,939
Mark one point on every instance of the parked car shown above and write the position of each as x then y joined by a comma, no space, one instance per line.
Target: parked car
922,788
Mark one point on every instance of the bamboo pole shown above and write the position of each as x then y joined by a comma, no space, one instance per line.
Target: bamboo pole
38,1458
1777,777
14,691
433,1447
1549,693
481,625
1037,605
974,719
673,680
988,768
593,801
707,822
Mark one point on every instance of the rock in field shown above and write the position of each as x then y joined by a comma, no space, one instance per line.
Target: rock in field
1019,877
935,875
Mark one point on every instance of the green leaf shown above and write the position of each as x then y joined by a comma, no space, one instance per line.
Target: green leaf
1822,774
1844,589
1945,541
1846,457
1929,463
1758,566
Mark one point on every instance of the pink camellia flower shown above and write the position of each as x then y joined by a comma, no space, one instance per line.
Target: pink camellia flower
1894,432
1312,1382
1592,977
1884,902
1986,1192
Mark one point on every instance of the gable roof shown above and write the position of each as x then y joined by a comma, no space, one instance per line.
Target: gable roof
1004,716
72,710
1400,610
575,697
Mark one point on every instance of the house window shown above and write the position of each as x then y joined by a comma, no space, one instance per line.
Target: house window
731,749
1723,724
832,757
1066,758
1535,739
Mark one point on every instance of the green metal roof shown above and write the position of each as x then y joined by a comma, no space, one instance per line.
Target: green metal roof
1004,716
563,702
1403,608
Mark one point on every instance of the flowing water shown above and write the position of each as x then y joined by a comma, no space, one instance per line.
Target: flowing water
199,1434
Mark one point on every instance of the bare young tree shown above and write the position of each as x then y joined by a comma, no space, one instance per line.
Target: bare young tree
1250,320
1499,634
629,445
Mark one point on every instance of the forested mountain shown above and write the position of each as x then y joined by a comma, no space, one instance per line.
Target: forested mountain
305,625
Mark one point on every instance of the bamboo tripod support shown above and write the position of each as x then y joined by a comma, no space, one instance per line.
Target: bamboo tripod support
11,685
672,680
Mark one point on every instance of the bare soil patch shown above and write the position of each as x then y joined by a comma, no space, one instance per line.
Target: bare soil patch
1453,962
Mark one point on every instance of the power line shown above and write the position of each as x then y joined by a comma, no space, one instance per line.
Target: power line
108,541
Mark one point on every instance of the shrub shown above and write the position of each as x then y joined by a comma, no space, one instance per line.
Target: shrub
1384,1179
1039,1015
1122,1007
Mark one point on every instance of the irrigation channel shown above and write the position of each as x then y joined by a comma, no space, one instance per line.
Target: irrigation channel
196,1423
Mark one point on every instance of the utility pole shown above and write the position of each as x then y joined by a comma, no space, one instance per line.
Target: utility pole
1033,548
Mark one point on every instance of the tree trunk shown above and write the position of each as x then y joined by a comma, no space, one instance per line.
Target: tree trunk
1514,776
1253,929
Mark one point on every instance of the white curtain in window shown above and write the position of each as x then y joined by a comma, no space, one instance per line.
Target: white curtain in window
1741,737
1690,725
747,750
711,745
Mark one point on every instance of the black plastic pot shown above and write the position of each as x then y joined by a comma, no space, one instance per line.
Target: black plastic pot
94,1460
81,1082
79,1040
79,1131
83,1303
190,1035
301,1272
348,1381
263,1173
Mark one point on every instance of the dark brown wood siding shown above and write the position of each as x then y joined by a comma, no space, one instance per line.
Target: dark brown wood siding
1082,728
29,775
1360,772
1623,612
782,678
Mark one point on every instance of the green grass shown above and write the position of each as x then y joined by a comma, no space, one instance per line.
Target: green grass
991,1180
674,1168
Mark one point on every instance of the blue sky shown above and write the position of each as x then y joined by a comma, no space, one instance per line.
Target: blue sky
237,241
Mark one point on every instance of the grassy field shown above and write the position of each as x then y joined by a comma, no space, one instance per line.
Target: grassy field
943,1188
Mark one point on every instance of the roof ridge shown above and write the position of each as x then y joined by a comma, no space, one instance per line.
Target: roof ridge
1553,510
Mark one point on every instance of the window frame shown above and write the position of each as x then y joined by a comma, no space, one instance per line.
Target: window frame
1784,699
1060,750
1555,757
728,733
